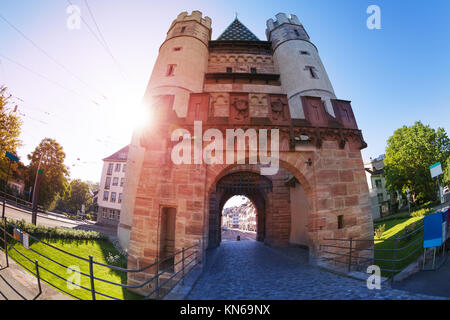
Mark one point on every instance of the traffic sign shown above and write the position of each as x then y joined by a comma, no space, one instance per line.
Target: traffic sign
436,169
11,156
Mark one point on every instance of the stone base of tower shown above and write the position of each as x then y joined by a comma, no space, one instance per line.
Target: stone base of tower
332,179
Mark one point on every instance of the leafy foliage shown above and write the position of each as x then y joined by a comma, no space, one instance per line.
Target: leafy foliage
409,153
75,195
43,232
10,125
53,180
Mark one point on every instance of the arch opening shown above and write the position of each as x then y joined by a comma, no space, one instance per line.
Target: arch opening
239,218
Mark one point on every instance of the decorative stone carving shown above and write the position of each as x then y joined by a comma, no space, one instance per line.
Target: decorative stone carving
241,107
219,105
278,110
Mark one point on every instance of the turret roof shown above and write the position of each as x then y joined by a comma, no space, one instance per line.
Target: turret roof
237,31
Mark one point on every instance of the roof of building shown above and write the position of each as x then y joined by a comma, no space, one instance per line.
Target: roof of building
120,155
237,31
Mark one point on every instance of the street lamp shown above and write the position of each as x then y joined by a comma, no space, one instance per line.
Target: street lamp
36,189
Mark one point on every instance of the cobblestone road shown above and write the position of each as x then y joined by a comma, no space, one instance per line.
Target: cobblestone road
251,270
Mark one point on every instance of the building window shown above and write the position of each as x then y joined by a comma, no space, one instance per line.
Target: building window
183,29
253,70
107,182
120,198
104,212
124,167
229,70
113,197
105,195
312,72
118,167
177,49
340,221
112,213
380,197
115,181
110,168
118,215
305,53
122,182
378,184
297,33
170,70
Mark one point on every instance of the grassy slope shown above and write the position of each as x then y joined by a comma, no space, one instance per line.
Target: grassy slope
98,249
393,230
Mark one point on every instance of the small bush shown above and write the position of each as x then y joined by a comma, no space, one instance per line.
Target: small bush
42,232
422,212
380,230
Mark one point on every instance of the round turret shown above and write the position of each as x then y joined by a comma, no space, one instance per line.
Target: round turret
297,60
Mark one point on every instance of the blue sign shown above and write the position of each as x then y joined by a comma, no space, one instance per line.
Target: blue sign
12,157
432,236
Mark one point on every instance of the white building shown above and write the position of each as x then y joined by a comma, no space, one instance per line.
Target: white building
380,196
111,187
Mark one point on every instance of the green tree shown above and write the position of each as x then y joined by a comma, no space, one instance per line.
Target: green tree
10,124
446,169
79,195
409,153
53,180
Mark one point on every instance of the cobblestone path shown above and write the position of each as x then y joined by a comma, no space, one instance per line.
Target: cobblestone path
251,270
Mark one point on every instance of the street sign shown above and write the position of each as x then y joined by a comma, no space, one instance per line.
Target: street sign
40,171
11,156
436,169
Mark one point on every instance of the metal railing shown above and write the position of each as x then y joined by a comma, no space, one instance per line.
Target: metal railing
164,278
19,202
350,251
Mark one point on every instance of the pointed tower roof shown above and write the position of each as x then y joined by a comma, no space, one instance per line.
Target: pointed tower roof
237,31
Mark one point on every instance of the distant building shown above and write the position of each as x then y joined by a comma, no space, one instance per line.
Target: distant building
241,217
17,186
111,187
382,201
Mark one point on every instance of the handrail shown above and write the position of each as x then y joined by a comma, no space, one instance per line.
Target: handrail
91,275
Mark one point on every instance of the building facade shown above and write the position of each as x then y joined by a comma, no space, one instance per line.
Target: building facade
278,87
383,202
110,194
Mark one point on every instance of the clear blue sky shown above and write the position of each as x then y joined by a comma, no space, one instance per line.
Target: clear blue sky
393,76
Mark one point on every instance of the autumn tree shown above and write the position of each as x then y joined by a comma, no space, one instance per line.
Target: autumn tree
53,180
409,153
10,125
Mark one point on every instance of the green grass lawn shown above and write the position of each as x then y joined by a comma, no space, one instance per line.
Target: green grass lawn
394,229
97,248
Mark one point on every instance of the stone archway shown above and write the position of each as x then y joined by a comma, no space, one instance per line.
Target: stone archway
249,184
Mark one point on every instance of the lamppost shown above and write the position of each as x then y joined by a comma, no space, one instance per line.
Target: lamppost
36,189
12,158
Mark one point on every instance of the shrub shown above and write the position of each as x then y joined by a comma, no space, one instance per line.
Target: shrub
380,230
56,233
422,212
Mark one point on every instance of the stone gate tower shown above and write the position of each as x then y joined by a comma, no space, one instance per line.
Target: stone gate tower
237,81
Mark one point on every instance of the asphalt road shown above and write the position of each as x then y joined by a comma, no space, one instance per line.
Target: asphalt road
231,235
56,221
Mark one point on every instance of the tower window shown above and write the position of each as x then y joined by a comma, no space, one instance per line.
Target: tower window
312,72
171,70
340,222
296,33
305,53
183,29
229,70
253,70
177,49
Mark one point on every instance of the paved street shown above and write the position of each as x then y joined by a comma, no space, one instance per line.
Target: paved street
231,235
251,270
56,221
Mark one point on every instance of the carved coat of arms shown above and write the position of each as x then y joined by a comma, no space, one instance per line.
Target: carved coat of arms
278,109
241,107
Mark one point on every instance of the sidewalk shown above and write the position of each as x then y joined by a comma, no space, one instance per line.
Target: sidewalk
17,284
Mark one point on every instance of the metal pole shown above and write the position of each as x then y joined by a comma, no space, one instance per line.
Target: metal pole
36,263
393,261
182,265
5,243
91,272
350,256
4,190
